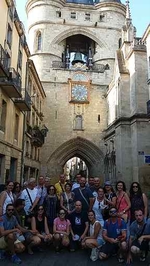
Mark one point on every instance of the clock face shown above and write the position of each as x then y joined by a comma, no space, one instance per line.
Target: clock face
79,93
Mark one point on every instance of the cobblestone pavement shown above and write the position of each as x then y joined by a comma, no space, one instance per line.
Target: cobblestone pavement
65,258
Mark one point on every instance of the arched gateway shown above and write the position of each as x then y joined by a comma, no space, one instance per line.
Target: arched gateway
78,147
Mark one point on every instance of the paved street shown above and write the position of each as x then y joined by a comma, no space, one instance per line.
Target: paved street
65,258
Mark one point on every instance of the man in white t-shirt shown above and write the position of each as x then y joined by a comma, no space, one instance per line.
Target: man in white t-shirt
29,195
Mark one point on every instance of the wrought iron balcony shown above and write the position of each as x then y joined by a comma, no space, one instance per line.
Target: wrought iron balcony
24,104
4,71
12,84
37,137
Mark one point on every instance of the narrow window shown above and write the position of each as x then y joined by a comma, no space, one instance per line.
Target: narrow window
16,126
58,14
3,116
87,16
2,168
78,122
73,15
39,41
20,59
120,43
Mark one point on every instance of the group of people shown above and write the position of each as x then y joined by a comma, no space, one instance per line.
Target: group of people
79,215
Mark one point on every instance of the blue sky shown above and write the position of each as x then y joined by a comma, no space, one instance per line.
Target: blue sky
140,11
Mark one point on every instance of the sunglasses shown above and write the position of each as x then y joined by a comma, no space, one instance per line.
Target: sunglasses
113,211
10,210
40,209
61,213
135,186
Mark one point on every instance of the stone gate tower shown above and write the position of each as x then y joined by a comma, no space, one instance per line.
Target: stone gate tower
73,45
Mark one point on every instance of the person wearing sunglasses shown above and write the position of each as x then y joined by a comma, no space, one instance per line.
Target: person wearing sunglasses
16,190
11,235
51,206
39,224
138,200
61,230
114,235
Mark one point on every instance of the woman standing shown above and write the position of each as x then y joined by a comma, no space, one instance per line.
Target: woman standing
67,199
94,240
123,203
138,200
16,190
6,197
51,206
110,197
61,230
99,206
39,224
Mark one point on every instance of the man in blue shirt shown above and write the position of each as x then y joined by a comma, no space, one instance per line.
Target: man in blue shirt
10,231
114,234
139,236
84,195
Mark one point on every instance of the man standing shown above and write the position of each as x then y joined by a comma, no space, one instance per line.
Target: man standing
10,230
41,192
60,185
29,195
79,226
84,195
139,236
96,186
77,183
114,234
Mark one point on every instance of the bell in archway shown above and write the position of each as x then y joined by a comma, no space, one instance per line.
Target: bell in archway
77,58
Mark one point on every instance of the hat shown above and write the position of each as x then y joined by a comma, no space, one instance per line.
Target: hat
107,183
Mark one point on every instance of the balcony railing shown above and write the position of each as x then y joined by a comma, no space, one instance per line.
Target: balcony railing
12,84
4,71
97,68
24,104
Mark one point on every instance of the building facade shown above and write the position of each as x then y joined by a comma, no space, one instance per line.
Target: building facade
89,63
15,92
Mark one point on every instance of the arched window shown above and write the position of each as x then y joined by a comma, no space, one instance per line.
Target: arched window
78,122
39,40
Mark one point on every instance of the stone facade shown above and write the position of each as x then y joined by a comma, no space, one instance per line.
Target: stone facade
114,122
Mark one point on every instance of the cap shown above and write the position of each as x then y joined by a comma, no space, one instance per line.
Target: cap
107,183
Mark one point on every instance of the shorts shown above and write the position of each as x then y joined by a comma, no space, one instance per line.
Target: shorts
3,243
144,245
109,248
100,242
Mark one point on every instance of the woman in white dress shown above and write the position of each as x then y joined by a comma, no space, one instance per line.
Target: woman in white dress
99,206
6,197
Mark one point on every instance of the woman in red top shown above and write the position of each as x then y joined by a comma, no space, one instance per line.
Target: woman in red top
123,203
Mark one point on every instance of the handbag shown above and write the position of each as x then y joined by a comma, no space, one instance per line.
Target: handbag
30,213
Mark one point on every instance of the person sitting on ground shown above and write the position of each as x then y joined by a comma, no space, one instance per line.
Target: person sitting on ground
40,225
61,230
94,240
79,226
11,235
114,234
139,236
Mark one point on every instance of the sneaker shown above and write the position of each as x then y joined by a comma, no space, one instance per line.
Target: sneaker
15,259
94,254
142,258
120,260
2,254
